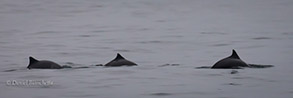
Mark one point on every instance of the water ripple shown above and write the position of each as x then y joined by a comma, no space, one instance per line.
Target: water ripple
261,38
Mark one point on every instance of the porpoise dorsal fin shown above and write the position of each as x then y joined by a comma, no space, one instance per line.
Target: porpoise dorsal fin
234,55
118,57
33,60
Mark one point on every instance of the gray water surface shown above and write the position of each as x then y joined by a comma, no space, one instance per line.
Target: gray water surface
168,39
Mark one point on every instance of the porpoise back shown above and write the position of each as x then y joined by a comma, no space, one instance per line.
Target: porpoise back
230,62
120,61
42,64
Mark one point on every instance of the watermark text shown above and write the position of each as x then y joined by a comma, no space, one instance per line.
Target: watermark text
29,83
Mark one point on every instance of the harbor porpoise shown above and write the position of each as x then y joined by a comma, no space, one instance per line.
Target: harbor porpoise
231,62
42,64
120,61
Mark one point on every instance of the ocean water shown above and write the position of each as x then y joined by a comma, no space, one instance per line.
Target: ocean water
168,39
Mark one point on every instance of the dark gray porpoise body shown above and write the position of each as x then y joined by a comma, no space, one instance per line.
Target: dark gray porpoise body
120,61
42,64
230,62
